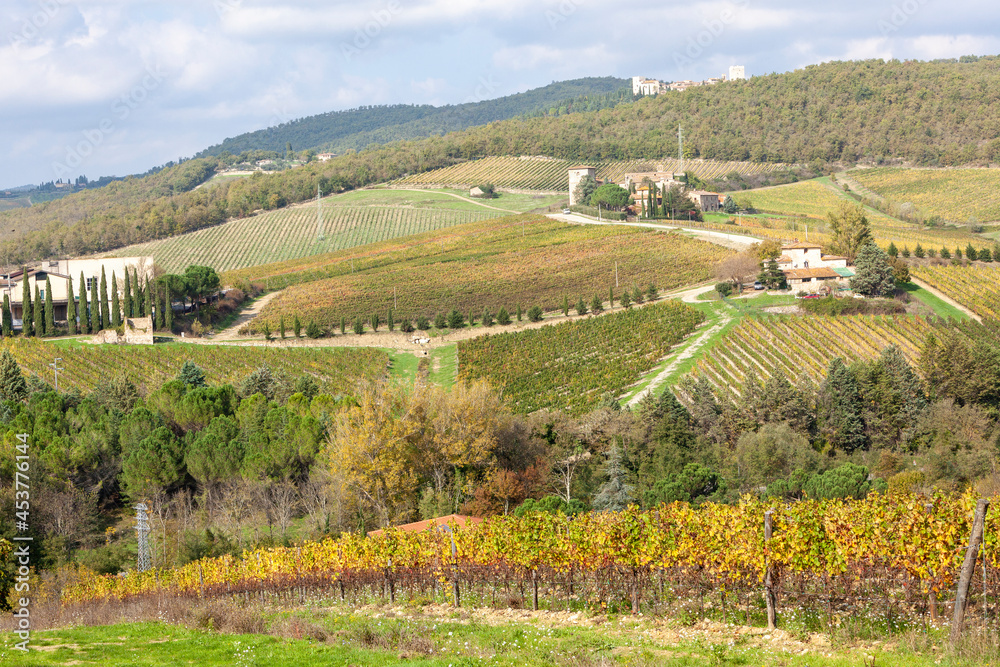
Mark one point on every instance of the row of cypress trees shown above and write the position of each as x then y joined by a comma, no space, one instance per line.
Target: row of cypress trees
89,315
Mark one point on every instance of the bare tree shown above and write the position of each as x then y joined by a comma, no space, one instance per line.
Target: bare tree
738,268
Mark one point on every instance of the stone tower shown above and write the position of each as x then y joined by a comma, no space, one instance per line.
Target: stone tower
576,175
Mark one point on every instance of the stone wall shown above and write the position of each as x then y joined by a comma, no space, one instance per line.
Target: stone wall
136,331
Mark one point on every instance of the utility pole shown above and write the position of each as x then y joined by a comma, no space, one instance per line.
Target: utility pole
55,369
142,530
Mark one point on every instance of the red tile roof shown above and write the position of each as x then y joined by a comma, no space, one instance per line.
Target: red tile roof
821,274
459,520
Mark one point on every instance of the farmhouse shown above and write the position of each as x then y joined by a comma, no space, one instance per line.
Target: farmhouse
706,201
60,272
577,174
807,269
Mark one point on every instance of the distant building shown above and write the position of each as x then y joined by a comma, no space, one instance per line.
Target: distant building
643,86
577,174
323,157
59,273
737,72
706,201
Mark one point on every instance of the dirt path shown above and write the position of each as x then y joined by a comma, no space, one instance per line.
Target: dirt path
232,332
731,241
947,299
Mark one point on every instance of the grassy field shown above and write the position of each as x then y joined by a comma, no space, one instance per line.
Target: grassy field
419,637
550,174
957,195
85,366
349,220
504,263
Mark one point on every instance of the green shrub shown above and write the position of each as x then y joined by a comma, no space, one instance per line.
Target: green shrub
440,321
724,288
455,320
423,324
487,318
313,331
503,318
581,307
535,314
359,326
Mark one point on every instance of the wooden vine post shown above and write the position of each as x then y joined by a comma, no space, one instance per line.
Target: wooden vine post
769,597
968,570
932,605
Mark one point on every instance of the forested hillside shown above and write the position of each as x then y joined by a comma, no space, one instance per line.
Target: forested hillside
936,114
359,128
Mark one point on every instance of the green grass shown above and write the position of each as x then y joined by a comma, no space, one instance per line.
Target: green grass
402,365
444,365
412,638
940,307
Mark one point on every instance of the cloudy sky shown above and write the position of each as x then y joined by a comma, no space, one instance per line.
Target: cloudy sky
101,87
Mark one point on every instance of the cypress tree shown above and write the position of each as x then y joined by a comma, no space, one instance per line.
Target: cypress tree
565,306
843,424
137,305
127,296
70,308
611,297
50,311
8,319
105,311
161,312
82,309
95,308
281,327
39,315
27,312
147,300
168,315
116,306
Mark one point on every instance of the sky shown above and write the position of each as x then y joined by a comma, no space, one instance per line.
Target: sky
102,87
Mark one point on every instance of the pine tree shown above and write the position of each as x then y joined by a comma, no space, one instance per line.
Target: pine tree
616,493
82,308
50,311
581,307
873,274
116,306
191,374
39,315
842,409
626,300
596,305
892,251
71,323
27,312
127,296
95,308
12,384
105,310
8,318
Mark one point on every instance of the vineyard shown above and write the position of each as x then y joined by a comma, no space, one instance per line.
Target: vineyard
884,554
293,232
977,287
83,367
957,195
549,174
812,200
514,261
804,346
569,366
